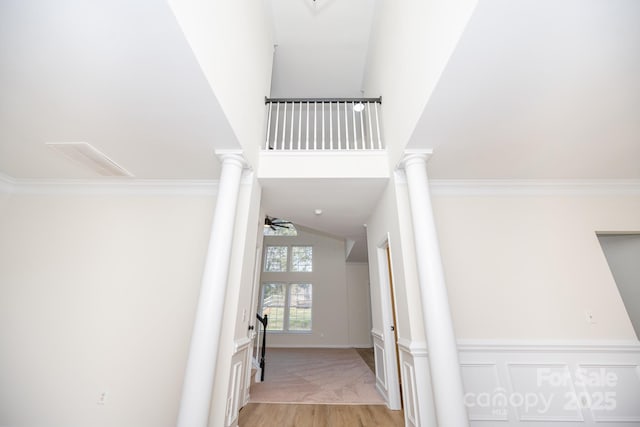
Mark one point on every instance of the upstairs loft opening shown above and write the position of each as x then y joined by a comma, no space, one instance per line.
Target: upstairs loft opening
327,124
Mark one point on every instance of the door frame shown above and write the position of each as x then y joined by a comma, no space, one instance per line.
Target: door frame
389,324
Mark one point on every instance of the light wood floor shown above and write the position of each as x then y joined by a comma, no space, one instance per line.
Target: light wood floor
288,415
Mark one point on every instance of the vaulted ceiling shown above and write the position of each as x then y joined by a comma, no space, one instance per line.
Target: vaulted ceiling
533,89
118,75
539,90
321,47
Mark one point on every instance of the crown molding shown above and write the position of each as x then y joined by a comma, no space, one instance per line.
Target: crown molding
439,187
6,183
525,187
90,187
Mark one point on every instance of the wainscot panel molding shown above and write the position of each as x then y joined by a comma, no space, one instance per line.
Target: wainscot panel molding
239,379
241,344
517,383
375,333
416,384
379,359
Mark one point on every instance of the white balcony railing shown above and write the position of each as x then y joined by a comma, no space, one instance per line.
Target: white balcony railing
323,124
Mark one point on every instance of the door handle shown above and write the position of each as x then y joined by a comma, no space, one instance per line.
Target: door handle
393,328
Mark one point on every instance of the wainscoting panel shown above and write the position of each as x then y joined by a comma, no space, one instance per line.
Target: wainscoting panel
546,384
601,391
416,385
538,392
481,383
409,394
238,392
378,354
233,404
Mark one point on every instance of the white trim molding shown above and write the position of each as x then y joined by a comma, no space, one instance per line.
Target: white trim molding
6,183
566,380
613,346
375,333
535,187
101,187
415,348
241,344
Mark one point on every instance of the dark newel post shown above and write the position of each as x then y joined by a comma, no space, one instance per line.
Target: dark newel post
264,347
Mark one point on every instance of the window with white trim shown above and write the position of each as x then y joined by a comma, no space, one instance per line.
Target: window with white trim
288,306
285,298
282,259
275,259
302,259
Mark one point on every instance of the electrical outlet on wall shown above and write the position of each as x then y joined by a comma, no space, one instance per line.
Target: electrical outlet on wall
588,314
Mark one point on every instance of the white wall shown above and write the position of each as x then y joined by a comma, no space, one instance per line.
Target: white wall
522,269
359,306
233,42
98,293
517,267
5,190
4,197
405,60
528,267
333,310
392,218
623,257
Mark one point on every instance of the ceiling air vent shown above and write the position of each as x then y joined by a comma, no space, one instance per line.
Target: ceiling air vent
89,156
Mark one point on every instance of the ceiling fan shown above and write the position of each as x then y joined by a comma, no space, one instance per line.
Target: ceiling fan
276,222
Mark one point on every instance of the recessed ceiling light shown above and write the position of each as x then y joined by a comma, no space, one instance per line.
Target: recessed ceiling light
318,211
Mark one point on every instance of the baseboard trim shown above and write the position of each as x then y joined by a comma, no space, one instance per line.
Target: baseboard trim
318,346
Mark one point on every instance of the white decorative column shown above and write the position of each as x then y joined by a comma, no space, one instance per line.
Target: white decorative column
199,376
446,378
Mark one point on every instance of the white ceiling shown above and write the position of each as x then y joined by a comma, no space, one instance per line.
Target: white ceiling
534,90
346,204
321,47
539,90
116,74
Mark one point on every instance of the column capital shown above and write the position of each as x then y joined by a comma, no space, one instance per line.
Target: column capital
232,156
412,155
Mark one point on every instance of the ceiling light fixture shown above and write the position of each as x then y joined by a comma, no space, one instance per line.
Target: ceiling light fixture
318,211
359,107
